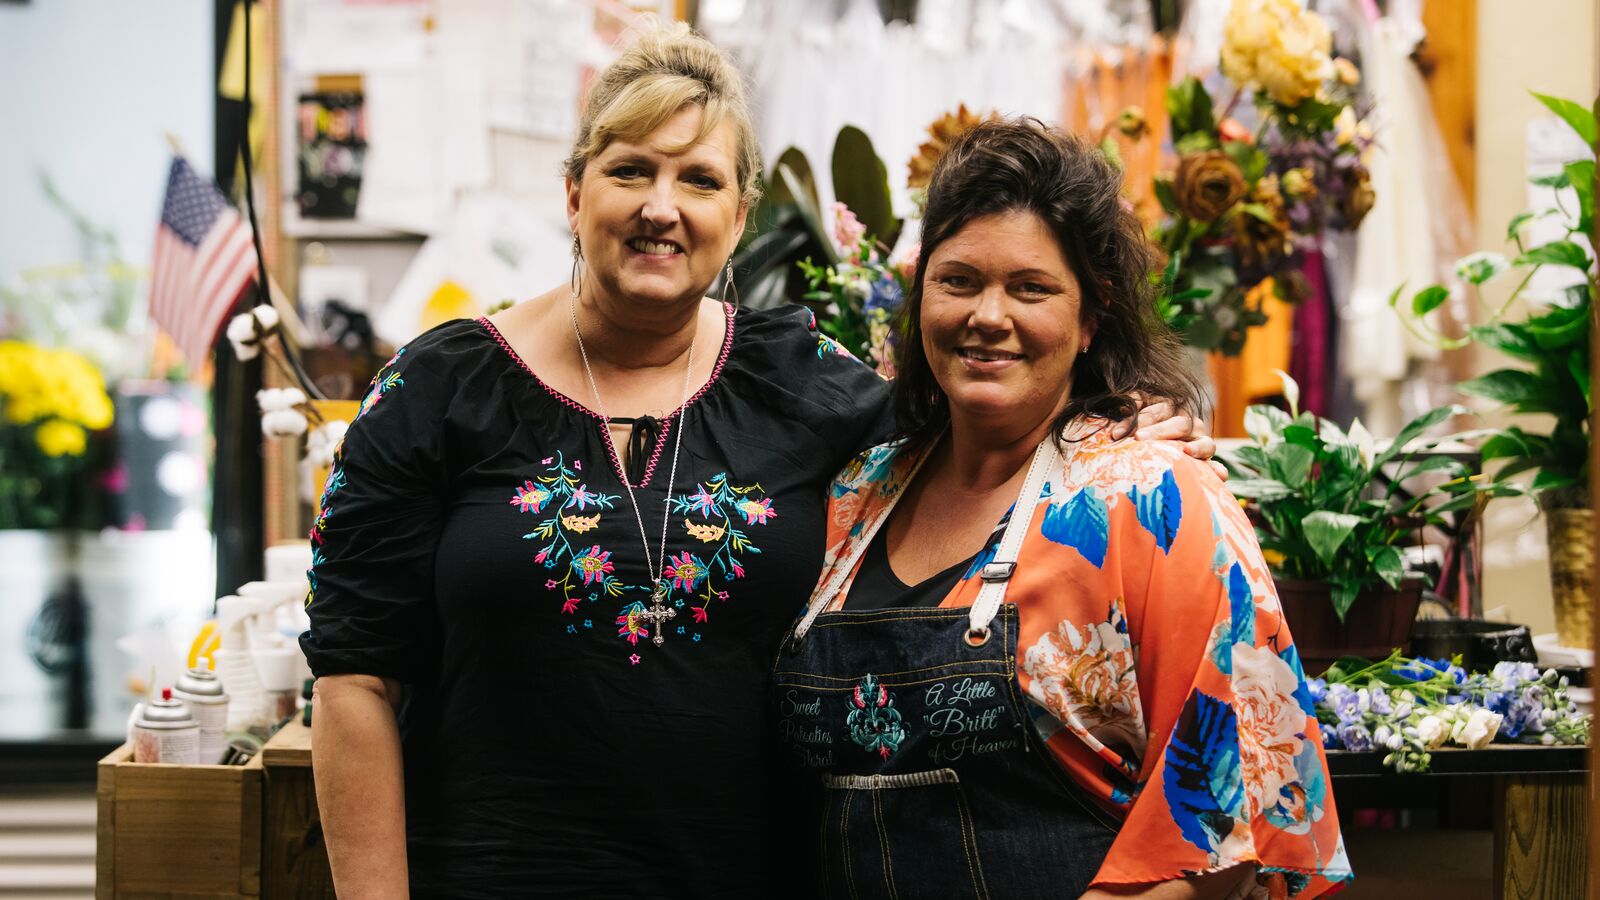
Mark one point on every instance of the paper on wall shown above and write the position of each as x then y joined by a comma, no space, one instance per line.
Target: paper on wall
538,88
465,38
354,35
401,186
493,249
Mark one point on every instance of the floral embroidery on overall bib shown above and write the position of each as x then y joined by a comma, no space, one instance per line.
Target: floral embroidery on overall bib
873,721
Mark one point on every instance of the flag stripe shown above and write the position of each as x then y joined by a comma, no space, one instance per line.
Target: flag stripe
203,258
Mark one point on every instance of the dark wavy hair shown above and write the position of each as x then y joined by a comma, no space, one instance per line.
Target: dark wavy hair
1022,165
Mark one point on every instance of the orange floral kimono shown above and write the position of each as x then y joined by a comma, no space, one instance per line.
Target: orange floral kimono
1153,646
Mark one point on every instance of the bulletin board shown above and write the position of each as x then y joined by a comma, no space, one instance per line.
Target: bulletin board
411,164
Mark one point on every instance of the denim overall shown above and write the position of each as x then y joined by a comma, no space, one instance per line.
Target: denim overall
934,782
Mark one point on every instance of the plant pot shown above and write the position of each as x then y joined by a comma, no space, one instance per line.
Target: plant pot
1570,533
36,640
1378,622
1480,643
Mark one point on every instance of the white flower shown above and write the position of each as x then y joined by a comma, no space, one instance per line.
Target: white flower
323,441
1431,731
1481,729
275,399
283,423
243,330
1364,442
280,416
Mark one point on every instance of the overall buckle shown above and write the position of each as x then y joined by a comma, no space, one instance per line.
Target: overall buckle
997,571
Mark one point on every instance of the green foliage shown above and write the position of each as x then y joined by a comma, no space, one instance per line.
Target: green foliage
1190,109
784,228
1329,505
1550,344
861,182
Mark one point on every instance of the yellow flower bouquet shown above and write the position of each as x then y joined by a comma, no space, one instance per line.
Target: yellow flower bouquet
1245,202
50,401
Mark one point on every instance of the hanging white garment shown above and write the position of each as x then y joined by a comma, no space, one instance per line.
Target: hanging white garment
812,75
1412,235
1200,37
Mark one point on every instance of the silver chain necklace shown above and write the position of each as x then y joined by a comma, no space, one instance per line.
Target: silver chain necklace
658,613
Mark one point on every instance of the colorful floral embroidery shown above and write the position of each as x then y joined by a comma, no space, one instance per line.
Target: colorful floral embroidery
826,345
685,571
874,723
720,506
714,514
558,492
385,381
633,626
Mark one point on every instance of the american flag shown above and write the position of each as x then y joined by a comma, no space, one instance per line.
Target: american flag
203,260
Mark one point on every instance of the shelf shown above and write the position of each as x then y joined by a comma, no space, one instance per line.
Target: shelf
302,229
1497,759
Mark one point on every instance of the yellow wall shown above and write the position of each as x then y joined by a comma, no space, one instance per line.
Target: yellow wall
1553,47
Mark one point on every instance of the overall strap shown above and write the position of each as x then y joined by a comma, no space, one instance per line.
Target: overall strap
823,595
996,574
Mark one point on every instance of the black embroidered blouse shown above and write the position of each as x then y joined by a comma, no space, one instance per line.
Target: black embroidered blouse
477,544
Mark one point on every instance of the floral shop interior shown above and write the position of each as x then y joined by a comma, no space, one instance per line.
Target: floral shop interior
1365,228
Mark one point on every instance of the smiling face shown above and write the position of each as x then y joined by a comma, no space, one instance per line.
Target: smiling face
658,217
1001,320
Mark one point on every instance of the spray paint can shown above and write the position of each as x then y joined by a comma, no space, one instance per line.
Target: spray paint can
164,731
209,702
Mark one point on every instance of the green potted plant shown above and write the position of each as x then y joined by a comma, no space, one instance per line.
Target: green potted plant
1550,344
1332,509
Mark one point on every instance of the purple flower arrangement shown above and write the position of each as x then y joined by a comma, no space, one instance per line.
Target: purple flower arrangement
1411,707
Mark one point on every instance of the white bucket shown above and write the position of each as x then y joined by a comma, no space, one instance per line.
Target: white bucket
34,567
158,583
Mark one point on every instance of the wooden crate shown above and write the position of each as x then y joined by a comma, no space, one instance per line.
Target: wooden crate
294,856
168,831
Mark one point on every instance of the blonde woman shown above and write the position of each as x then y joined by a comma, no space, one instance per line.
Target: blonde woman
561,544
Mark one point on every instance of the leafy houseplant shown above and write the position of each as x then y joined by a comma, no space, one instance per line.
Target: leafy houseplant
1551,344
789,223
1332,508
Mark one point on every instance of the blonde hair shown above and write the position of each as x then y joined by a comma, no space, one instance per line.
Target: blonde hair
668,68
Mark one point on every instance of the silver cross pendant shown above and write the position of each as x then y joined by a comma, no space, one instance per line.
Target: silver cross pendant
658,613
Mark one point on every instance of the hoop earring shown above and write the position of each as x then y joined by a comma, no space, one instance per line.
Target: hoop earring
728,283
576,281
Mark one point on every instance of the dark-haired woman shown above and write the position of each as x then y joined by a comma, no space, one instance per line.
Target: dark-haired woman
1044,660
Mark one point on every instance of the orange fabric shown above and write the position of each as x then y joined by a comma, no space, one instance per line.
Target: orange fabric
1101,84
1249,377
1151,632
